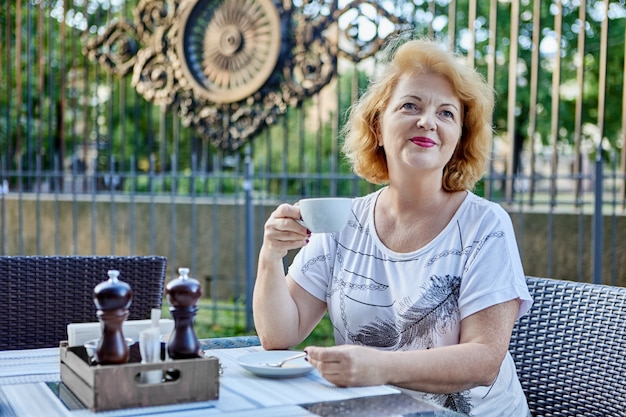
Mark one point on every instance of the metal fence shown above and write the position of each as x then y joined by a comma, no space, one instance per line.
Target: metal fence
90,165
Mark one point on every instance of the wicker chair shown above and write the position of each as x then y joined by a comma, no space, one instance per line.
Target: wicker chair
570,349
42,294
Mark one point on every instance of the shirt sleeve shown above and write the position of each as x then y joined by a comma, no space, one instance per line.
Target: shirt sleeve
494,272
312,266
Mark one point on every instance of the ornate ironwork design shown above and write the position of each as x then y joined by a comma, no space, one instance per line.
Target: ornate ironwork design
234,52
231,67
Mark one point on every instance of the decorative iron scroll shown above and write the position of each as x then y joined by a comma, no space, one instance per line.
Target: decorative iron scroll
231,67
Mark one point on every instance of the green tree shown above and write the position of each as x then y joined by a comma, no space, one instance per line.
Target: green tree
55,103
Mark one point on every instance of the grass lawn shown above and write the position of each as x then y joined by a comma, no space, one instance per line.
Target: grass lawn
227,319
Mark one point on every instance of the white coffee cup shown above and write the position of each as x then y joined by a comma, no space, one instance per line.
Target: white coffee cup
325,214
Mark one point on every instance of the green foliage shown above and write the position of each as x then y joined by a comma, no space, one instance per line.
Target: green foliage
567,70
56,103
322,335
226,319
182,185
219,319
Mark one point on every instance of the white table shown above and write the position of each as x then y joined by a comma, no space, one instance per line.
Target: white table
29,379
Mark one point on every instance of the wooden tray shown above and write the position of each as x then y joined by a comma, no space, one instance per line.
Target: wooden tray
111,387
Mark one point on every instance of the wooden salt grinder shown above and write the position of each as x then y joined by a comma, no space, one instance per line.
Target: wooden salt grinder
183,294
112,298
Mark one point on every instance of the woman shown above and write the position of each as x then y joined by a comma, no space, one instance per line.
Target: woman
425,282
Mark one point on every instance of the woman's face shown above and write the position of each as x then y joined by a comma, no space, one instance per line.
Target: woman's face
421,126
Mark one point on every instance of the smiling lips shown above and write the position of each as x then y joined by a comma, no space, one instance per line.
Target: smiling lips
423,142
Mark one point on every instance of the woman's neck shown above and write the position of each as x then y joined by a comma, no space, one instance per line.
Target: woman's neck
407,220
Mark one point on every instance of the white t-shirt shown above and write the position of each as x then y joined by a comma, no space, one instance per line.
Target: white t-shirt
406,301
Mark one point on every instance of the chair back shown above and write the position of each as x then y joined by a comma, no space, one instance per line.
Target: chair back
570,349
41,295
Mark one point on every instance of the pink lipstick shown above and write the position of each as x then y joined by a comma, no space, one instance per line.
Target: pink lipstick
423,142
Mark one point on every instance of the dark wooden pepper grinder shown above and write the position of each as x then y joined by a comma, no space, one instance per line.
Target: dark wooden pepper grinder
183,294
112,299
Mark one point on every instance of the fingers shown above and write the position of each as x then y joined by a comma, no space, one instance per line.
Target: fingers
333,364
283,223
282,232
345,365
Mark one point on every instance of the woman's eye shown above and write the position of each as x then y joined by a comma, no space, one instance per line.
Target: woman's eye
447,114
409,106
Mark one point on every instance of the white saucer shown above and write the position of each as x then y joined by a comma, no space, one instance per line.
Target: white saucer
255,363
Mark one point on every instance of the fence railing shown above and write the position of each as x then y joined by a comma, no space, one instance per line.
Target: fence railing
218,235
88,165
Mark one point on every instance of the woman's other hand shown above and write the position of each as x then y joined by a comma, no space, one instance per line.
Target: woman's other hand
348,365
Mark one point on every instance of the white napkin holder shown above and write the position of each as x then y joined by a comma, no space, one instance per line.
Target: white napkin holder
79,333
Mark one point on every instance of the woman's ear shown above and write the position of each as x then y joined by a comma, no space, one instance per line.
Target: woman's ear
377,133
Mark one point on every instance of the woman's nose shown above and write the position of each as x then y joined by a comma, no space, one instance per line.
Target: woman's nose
426,122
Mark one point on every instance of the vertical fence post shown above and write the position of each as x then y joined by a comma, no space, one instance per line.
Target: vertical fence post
598,221
3,210
248,188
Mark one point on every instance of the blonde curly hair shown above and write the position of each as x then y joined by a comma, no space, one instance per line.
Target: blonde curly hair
361,130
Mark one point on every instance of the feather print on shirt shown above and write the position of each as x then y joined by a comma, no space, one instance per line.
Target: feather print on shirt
418,323
458,401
